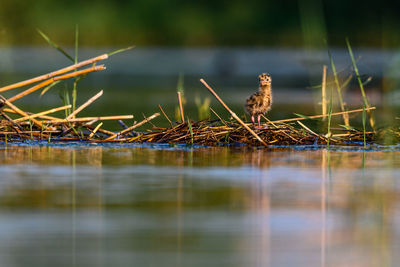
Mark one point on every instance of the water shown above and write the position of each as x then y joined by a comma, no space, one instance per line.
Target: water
158,205
163,206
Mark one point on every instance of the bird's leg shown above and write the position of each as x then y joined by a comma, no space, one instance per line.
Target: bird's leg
252,120
258,120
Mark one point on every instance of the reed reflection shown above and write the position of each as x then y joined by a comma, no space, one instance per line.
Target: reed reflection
250,206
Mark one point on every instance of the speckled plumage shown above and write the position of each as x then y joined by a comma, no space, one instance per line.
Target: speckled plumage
260,102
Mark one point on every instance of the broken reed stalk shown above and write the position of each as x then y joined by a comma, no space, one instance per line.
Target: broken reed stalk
31,132
103,118
95,130
55,73
232,113
42,113
19,111
311,131
322,116
8,110
181,107
57,78
165,115
100,130
281,131
133,127
323,91
216,114
83,106
16,126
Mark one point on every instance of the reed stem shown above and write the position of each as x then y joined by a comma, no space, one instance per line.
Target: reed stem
53,74
86,104
51,80
103,118
165,115
95,130
42,113
19,111
323,91
360,83
121,133
181,107
232,113
322,116
339,91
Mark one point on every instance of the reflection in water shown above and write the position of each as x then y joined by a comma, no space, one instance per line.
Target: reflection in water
144,205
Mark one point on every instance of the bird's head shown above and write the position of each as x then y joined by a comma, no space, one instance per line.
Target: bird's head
264,79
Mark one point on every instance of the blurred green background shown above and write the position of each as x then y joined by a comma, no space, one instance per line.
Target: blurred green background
202,23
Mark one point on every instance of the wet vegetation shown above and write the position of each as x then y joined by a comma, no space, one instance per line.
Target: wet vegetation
19,125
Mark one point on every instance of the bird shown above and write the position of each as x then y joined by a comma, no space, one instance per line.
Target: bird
260,102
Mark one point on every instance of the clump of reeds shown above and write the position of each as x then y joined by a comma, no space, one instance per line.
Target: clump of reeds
20,125
236,132
23,125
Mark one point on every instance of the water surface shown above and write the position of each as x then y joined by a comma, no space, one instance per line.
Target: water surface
181,206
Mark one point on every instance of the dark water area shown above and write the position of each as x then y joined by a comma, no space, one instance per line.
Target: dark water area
158,205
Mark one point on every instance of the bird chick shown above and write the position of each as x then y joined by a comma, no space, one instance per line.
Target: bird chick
260,102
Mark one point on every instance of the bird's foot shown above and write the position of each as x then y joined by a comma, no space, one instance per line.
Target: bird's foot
260,127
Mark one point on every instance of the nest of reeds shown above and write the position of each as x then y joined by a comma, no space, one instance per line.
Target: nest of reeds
212,133
20,125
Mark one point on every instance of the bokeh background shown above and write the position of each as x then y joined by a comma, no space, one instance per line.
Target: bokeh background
202,24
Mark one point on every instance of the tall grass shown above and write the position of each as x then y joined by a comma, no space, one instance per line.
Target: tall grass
329,119
339,90
75,60
190,130
360,83
65,94
180,89
363,123
203,107
74,89
56,46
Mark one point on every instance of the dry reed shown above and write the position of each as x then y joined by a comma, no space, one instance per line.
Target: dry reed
19,125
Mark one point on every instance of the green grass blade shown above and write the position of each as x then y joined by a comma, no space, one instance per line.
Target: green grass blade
329,120
47,88
367,81
65,100
76,43
180,88
74,94
74,88
363,122
180,85
360,83
190,130
303,116
56,46
350,128
338,89
120,50
357,72
346,82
